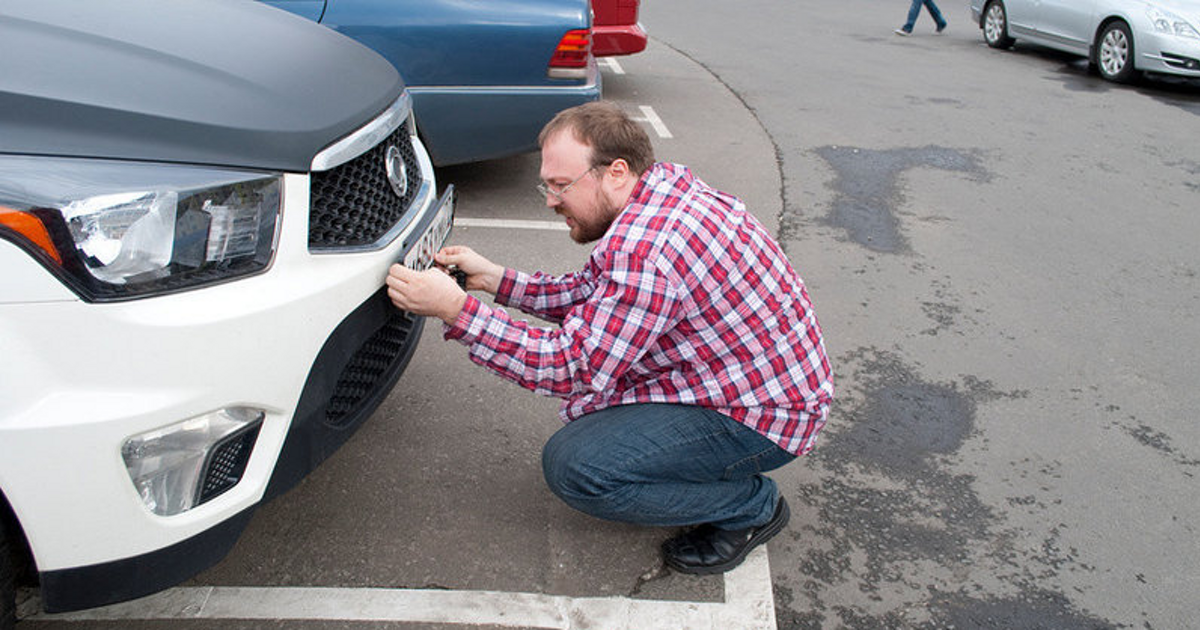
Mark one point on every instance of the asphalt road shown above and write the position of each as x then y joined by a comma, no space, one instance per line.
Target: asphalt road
1000,250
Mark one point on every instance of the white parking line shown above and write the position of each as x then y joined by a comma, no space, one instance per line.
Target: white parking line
651,117
612,64
513,224
749,604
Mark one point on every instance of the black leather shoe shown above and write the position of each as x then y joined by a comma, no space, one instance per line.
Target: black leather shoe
706,550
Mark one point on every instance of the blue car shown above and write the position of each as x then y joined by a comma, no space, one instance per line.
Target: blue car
485,75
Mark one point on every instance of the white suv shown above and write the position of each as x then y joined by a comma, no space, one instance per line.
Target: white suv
198,205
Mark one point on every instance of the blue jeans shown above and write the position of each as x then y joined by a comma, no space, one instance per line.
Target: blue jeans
915,10
664,465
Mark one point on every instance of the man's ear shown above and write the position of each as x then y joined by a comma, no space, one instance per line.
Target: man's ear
619,169
622,180
623,177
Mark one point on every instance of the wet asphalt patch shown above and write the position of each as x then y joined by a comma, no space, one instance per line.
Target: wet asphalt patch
1042,610
1032,610
1161,442
888,503
1076,76
899,430
869,193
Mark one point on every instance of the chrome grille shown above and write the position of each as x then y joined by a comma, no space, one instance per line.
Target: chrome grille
353,205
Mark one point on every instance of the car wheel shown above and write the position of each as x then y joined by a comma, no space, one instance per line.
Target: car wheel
995,25
1114,53
8,581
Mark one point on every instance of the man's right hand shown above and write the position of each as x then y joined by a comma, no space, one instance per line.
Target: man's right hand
482,274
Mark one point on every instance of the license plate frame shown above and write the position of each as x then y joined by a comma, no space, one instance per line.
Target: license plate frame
434,231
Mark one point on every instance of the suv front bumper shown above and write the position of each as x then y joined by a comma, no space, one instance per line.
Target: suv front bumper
79,379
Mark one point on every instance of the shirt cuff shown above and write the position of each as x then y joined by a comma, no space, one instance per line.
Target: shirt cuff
470,322
512,287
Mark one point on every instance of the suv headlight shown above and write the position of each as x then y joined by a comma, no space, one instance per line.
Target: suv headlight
119,230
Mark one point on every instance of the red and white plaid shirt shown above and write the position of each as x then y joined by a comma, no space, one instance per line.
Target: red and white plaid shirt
686,299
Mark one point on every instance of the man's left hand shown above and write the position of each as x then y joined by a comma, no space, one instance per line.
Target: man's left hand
430,292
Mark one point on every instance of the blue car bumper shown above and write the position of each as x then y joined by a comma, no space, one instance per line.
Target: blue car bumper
466,123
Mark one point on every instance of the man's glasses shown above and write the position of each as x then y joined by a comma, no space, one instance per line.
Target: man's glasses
545,189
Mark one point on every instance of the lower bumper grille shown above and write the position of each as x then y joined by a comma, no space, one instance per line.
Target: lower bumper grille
351,376
367,367
227,462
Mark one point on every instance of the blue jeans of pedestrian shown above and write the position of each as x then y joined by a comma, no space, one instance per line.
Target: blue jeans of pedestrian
664,465
915,10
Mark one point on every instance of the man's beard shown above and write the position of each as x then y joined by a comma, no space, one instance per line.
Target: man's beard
587,232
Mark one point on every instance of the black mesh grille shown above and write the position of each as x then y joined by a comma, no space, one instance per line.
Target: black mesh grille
227,462
353,204
368,367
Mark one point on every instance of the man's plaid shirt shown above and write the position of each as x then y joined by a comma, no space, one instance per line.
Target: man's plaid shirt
686,299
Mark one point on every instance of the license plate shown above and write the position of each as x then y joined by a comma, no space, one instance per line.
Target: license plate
432,234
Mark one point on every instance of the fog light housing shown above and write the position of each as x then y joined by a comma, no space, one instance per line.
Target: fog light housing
1179,61
183,465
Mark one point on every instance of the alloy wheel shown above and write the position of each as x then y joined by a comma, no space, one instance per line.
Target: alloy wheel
1114,52
995,26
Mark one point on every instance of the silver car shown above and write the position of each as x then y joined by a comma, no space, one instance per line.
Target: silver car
1120,38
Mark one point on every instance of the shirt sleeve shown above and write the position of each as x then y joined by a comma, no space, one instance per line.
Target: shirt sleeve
631,306
542,295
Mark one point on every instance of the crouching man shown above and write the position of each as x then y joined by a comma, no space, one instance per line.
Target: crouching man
686,351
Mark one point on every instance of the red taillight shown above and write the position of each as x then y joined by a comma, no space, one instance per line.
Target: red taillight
573,49
31,229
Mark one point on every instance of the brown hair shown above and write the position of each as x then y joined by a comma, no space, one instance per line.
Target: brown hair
608,131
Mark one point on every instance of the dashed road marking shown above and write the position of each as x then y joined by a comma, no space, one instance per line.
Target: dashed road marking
749,604
612,64
650,116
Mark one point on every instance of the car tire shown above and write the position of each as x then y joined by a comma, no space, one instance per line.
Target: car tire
995,25
1113,53
8,579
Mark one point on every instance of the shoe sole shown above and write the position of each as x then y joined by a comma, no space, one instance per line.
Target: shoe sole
774,526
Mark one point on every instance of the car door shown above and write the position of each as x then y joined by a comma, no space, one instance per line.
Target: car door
1066,24
1022,17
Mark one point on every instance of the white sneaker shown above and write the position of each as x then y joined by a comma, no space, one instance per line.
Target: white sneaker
902,33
